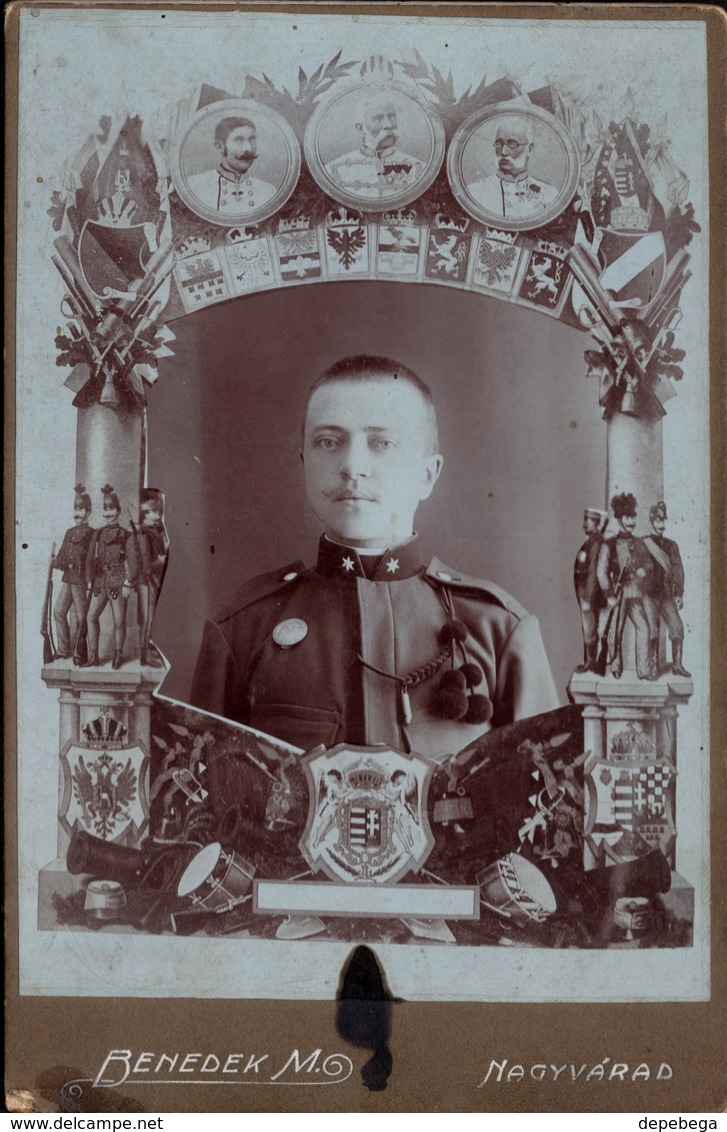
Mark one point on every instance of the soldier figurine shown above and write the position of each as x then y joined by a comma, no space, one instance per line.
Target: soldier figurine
148,547
624,570
107,573
71,559
588,591
663,598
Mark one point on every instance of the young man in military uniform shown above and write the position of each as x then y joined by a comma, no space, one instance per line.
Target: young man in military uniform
624,569
665,592
375,644
71,559
588,591
147,555
108,576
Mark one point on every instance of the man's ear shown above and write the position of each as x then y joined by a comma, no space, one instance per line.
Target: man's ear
432,470
219,145
359,127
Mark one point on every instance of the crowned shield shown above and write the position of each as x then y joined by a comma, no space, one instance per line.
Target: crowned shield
104,790
367,817
625,800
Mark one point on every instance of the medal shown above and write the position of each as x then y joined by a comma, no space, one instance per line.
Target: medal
290,632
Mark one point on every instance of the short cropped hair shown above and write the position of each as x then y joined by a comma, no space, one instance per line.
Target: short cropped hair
224,128
624,504
374,367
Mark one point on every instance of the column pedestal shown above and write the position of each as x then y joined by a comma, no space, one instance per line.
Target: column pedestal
103,765
630,734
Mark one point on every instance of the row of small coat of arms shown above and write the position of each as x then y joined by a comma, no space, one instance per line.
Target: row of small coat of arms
396,248
375,147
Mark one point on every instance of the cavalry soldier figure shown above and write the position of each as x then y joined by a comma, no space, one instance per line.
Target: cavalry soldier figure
71,559
107,575
663,598
376,643
624,569
588,591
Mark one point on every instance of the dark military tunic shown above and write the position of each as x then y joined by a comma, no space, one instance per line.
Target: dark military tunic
320,690
666,586
71,558
106,567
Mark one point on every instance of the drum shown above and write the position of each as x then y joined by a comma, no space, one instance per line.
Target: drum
215,880
513,887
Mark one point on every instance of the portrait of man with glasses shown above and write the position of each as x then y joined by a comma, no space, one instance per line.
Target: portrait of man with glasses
511,191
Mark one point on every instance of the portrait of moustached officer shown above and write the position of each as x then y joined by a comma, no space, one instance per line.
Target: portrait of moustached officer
376,643
378,167
231,187
512,191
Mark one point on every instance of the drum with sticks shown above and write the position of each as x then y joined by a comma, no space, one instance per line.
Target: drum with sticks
514,888
216,880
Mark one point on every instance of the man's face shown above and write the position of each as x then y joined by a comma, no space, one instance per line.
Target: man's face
659,524
512,148
239,148
628,522
151,517
366,460
80,515
110,513
590,526
379,127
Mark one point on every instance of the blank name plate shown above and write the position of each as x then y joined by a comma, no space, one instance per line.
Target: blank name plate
280,897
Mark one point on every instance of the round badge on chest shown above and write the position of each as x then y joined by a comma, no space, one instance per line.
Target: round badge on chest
290,632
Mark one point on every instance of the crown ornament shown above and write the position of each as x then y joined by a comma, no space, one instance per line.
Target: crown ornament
116,211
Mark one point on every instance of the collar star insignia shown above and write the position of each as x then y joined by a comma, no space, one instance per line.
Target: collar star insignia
392,565
348,564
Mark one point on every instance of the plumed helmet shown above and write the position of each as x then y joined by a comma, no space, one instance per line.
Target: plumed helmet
110,497
82,498
624,504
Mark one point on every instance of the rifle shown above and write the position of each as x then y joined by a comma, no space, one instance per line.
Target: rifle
602,658
101,334
46,629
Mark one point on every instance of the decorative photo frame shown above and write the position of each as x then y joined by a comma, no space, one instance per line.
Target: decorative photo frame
502,188
355,161
229,194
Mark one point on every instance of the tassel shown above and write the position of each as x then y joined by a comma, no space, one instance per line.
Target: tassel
479,709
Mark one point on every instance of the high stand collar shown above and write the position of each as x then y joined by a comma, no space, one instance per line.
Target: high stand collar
395,563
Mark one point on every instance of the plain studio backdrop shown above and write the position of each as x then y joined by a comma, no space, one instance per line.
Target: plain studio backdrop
520,430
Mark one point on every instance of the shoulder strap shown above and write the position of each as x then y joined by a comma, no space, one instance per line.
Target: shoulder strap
439,574
261,587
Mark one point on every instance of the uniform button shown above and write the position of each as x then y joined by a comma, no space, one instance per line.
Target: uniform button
290,577
443,576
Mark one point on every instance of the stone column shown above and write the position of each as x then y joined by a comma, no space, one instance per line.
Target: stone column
635,462
110,448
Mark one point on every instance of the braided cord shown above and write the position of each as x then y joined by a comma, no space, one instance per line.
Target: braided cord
418,675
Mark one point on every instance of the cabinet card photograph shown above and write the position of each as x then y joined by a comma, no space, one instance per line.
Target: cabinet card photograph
363,497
